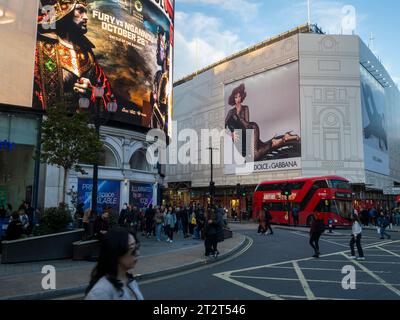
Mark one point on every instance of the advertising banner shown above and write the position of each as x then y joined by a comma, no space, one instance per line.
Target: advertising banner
141,194
18,39
108,194
126,46
376,151
262,122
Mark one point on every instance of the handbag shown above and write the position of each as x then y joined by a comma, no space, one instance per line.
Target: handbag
193,221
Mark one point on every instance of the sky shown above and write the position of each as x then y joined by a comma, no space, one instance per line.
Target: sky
207,31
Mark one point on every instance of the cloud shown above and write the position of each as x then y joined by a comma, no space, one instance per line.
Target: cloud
245,8
201,40
333,17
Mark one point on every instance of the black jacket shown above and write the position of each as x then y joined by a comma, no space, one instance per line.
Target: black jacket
14,230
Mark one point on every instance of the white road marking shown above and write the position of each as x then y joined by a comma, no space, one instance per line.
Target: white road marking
311,280
389,251
248,287
326,269
373,275
228,274
307,290
365,261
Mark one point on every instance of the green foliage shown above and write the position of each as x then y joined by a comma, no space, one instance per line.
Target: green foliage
68,140
53,220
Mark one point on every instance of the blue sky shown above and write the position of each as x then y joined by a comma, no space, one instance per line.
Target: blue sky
209,30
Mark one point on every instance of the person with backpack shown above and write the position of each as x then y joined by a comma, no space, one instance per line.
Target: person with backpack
356,238
316,229
383,222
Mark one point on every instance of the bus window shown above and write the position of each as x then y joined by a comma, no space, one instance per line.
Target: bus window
326,206
339,184
344,208
274,206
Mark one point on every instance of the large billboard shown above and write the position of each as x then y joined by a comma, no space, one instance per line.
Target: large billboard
18,38
108,194
375,129
262,121
126,46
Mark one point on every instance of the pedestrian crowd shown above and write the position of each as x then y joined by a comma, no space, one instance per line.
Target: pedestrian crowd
19,223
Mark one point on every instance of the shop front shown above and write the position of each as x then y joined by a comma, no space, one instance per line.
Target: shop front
19,136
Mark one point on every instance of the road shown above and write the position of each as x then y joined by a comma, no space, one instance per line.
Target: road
280,267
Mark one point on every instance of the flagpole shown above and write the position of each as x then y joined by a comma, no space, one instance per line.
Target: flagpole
308,12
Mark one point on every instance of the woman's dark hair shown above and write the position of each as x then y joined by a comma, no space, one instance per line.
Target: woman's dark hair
114,245
235,91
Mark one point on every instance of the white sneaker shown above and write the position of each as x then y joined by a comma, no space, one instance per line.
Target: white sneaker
361,258
353,257
170,241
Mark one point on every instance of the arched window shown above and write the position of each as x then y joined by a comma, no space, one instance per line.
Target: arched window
138,161
107,158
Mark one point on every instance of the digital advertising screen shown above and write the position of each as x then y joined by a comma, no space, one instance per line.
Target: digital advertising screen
18,39
262,122
125,46
141,195
108,194
375,124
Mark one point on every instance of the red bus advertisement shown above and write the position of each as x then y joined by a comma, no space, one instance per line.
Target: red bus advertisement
330,196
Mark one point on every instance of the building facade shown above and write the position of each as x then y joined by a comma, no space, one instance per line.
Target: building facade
317,80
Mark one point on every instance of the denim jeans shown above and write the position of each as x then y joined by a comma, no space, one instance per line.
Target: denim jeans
158,231
196,234
383,232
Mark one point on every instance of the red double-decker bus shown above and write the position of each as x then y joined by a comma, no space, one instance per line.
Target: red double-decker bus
330,196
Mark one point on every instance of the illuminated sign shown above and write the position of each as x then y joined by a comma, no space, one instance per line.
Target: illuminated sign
7,145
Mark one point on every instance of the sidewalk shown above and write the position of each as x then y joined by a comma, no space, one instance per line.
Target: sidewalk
23,281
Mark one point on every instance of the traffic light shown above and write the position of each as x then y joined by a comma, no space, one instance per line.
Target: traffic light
211,188
238,189
243,192
286,191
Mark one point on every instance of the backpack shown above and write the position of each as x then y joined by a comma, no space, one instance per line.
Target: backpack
193,221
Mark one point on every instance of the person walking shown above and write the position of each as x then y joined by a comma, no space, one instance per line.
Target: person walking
149,217
268,219
316,229
383,223
14,230
356,238
170,221
122,215
110,278
295,215
159,221
213,221
101,225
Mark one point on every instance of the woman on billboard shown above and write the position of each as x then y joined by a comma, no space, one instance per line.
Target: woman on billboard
238,118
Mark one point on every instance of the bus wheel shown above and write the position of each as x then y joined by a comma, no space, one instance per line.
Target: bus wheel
309,220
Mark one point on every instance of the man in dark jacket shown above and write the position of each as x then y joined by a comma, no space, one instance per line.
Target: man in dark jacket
212,226
14,230
149,217
316,229
268,219
101,225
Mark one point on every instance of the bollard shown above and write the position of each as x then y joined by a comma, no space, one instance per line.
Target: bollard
330,222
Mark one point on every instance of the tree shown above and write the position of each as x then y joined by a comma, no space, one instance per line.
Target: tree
67,140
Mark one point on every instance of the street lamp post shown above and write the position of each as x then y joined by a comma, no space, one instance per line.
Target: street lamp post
212,185
84,103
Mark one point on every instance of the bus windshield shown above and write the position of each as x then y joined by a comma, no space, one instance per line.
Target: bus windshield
339,184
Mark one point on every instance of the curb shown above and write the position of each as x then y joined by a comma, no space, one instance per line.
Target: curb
47,295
